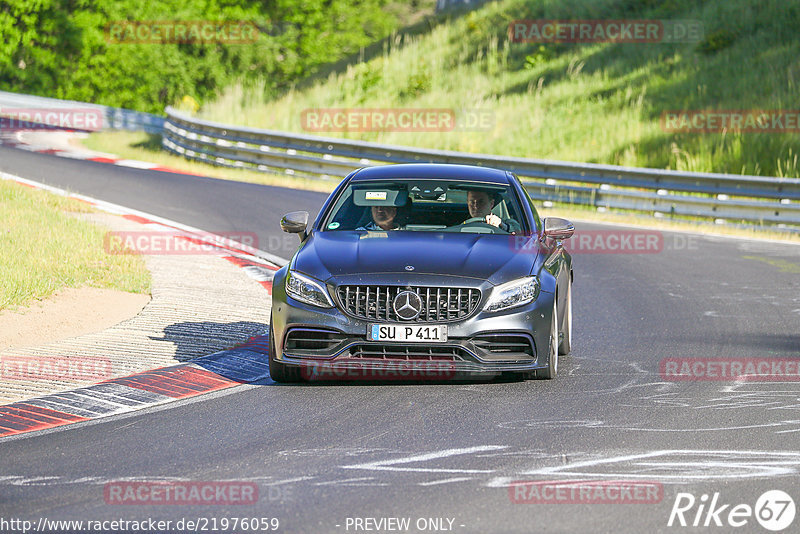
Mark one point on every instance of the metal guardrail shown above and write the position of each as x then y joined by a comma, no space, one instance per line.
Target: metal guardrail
448,5
113,118
718,196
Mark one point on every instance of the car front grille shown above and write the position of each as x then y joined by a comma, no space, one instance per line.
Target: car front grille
438,303
408,352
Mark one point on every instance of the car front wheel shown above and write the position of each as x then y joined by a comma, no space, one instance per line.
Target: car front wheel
565,346
551,370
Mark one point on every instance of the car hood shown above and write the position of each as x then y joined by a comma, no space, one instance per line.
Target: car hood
487,257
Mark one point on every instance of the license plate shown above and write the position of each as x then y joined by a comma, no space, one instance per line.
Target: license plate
430,333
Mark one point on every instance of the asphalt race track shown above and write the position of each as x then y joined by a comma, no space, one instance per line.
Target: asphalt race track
321,454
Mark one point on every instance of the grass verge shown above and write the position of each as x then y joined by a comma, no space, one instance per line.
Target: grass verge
45,248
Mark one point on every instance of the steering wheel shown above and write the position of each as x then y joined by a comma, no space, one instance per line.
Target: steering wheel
475,222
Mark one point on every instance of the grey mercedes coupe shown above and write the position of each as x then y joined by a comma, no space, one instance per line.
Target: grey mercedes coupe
423,271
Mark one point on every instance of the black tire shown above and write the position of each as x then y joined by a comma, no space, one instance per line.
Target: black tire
565,346
551,370
278,371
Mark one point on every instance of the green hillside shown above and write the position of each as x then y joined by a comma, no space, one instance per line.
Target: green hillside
72,50
599,102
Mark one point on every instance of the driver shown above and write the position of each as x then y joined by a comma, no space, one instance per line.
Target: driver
383,218
480,204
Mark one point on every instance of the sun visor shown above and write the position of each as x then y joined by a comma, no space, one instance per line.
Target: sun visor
379,197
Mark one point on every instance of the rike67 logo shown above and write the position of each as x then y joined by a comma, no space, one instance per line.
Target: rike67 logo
774,510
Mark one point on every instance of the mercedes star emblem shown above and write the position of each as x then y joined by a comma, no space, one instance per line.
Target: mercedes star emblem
407,305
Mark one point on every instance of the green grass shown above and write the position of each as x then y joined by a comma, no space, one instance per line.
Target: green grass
597,103
45,247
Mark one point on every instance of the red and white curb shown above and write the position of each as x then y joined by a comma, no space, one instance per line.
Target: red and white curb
222,370
21,140
109,398
243,364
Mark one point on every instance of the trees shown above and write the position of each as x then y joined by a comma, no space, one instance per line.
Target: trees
62,48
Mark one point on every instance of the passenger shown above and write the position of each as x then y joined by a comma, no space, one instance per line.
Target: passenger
383,218
480,204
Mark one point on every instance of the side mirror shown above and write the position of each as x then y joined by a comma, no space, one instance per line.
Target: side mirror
558,228
295,222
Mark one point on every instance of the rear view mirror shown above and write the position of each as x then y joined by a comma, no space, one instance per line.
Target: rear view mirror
558,228
295,222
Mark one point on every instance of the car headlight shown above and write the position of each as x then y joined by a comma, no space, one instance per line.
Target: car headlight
512,294
306,289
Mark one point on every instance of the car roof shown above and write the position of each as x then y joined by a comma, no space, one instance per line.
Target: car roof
433,171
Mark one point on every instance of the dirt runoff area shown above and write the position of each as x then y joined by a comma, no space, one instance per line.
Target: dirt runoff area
68,313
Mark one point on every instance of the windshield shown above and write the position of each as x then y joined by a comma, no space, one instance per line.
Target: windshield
427,205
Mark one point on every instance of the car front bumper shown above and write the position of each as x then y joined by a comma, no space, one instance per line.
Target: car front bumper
470,350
